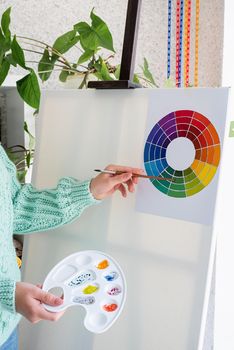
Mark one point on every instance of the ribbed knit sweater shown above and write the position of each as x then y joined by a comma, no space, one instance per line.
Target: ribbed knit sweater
24,209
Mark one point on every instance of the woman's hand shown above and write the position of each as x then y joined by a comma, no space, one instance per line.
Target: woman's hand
104,185
28,299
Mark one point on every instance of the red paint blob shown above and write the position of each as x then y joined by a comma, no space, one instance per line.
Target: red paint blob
110,307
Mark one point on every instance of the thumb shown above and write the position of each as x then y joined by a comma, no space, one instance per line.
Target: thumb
118,179
49,299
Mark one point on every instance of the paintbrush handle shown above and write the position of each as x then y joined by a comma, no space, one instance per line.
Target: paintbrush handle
118,172
153,177
145,176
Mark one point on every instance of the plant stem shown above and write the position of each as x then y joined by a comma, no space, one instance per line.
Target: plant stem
147,80
23,168
57,65
59,69
17,146
83,83
41,53
45,48
25,151
108,58
82,51
52,48
22,161
42,47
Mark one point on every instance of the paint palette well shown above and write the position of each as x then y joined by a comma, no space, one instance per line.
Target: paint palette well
93,280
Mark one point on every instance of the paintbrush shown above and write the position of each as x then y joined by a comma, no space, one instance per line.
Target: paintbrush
118,172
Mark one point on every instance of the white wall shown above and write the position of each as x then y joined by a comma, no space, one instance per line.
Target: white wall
45,20
224,306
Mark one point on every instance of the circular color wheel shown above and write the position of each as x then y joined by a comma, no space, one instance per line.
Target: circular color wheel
202,133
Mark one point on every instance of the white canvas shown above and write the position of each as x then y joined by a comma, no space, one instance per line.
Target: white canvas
167,262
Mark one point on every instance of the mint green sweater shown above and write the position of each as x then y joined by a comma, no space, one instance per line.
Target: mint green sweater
24,209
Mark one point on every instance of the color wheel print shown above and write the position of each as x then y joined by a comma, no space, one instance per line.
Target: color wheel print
204,137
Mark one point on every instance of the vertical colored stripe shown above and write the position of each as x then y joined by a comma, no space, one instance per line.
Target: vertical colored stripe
196,43
169,41
177,40
187,29
181,39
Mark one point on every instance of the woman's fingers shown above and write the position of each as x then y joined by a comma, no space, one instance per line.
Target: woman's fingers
125,169
135,180
130,185
121,189
105,185
128,170
48,298
118,179
43,314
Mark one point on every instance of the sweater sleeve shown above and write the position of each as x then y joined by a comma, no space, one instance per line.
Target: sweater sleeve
7,294
36,210
40,210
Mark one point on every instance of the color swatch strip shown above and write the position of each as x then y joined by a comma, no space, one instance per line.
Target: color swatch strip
187,28
169,40
202,133
196,42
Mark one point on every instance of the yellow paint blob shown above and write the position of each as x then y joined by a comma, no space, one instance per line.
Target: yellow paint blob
90,289
19,262
103,264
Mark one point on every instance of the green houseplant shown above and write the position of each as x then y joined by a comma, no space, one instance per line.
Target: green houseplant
90,39
96,51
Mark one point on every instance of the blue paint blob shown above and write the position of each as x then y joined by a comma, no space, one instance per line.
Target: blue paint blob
111,276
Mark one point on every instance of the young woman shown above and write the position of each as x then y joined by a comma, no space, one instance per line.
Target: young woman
24,209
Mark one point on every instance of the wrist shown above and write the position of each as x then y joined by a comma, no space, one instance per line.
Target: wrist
92,190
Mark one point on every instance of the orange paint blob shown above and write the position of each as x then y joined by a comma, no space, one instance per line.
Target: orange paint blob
103,264
110,307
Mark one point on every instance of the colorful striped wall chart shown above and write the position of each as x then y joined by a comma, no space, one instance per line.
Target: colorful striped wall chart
184,23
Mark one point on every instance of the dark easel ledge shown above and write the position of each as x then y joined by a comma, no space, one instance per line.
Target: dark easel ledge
128,54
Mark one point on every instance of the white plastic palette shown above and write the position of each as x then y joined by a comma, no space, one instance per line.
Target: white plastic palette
93,280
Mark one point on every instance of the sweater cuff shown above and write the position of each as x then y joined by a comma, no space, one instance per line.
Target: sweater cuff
7,294
81,195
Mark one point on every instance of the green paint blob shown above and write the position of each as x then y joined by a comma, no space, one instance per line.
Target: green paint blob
90,289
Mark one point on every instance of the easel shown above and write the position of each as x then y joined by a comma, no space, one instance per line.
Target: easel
128,54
